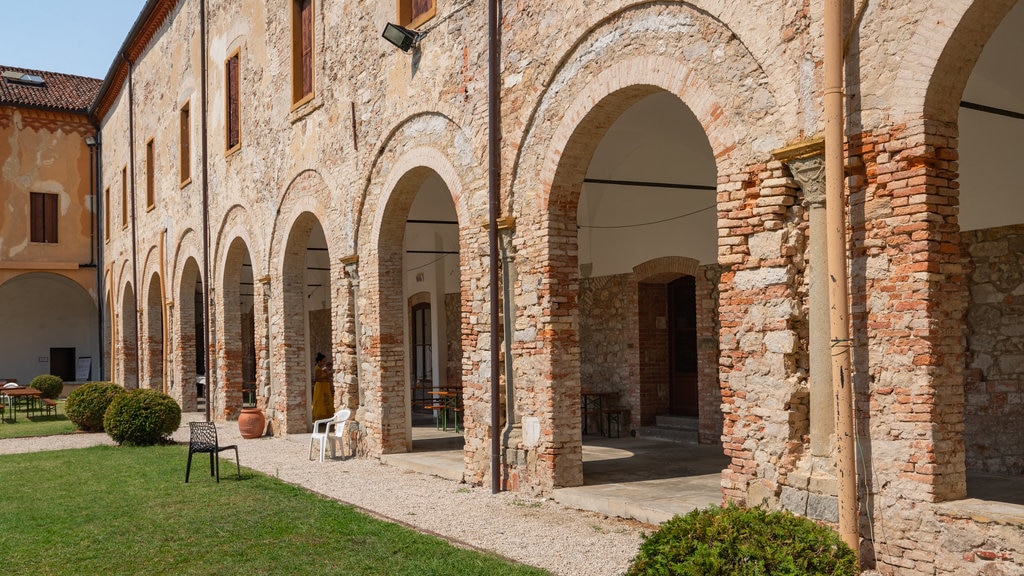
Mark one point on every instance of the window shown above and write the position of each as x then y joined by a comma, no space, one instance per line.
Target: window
302,50
124,197
184,145
106,214
231,97
44,217
150,193
412,13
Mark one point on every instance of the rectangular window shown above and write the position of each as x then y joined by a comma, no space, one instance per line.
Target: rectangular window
302,50
44,217
106,214
412,13
184,144
150,192
124,197
233,111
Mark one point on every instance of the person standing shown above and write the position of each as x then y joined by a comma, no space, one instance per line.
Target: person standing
323,392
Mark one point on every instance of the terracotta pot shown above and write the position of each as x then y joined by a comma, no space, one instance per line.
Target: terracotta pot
251,422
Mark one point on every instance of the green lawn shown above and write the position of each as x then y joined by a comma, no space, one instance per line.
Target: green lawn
115,510
36,425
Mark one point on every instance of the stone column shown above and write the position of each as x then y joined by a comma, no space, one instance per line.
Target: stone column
808,169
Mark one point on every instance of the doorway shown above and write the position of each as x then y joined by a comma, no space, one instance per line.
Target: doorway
682,308
62,363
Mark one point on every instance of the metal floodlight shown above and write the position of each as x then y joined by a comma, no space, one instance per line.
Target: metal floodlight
402,38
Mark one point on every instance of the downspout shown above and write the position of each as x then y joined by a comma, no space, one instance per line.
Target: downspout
493,182
510,406
135,249
839,298
164,304
206,211
96,175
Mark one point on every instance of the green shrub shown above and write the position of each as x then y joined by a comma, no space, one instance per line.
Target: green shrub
734,541
51,386
141,417
87,404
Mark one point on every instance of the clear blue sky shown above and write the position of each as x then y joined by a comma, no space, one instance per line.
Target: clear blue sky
70,36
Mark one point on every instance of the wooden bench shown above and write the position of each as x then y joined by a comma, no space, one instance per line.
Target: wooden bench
48,406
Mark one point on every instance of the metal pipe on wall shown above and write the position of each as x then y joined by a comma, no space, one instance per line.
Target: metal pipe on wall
493,184
131,197
839,298
207,343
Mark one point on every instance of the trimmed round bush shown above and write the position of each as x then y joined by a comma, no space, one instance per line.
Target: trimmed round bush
141,417
87,405
734,541
51,386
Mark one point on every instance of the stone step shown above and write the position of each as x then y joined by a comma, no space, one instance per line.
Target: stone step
679,422
668,434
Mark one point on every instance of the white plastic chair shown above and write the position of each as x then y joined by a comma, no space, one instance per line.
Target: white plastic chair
322,431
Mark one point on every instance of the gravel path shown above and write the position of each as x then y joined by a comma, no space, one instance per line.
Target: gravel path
533,531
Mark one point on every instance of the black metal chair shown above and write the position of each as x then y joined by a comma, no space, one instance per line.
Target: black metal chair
203,438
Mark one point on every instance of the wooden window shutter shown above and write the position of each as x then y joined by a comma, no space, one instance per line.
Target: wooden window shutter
421,10
150,177
50,217
36,214
306,17
185,145
232,102
43,216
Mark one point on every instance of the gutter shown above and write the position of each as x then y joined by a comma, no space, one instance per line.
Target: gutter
135,241
207,342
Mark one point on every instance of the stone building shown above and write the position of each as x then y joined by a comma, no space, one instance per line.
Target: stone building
49,314
278,181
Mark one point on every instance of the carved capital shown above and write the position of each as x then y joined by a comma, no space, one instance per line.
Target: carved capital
809,173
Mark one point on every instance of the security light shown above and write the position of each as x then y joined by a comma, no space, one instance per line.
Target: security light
402,38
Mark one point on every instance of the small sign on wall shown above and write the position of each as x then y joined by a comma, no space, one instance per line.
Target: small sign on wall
83,370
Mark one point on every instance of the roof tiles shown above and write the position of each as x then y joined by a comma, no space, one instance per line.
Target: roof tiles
63,92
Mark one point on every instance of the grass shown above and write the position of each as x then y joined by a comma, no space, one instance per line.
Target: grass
115,510
36,425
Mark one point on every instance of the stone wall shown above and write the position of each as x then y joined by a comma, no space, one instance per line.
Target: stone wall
994,393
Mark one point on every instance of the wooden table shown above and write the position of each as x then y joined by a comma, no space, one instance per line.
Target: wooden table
21,394
446,400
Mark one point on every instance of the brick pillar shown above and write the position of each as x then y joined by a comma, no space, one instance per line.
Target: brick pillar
908,307
760,245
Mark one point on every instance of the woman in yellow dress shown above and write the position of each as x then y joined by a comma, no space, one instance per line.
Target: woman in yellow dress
323,389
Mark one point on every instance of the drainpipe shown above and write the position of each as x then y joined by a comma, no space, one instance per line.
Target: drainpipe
207,343
96,177
839,298
510,406
135,249
164,305
493,183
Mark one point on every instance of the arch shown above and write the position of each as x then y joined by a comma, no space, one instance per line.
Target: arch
152,341
237,329
189,361
423,147
426,141
41,310
949,38
309,192
666,269
129,341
